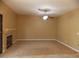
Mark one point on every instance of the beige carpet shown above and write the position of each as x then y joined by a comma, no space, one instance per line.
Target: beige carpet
39,49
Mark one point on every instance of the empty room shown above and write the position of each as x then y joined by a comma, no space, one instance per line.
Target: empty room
39,28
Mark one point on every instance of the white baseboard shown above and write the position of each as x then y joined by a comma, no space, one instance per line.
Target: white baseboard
34,39
68,46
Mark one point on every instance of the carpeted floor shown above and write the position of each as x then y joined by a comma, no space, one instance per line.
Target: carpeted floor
44,49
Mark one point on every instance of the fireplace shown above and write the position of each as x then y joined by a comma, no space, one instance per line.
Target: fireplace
9,41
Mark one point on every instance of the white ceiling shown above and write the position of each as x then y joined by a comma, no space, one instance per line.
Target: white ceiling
57,7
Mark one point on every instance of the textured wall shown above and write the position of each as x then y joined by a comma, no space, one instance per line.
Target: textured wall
33,27
68,28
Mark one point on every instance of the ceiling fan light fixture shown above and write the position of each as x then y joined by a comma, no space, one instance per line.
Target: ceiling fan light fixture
45,17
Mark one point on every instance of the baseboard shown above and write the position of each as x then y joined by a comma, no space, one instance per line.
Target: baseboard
68,46
34,39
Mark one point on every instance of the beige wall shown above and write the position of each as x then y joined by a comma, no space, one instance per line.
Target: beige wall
33,27
68,28
8,22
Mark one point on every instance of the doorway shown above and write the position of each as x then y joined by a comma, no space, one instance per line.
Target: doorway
0,33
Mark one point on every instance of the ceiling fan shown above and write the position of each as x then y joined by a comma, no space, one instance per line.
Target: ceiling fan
45,16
